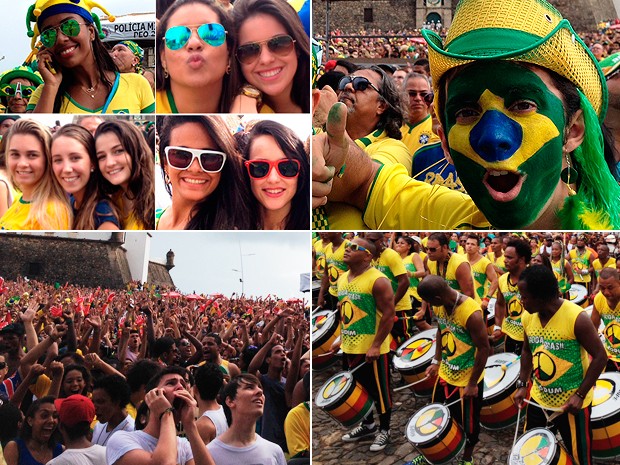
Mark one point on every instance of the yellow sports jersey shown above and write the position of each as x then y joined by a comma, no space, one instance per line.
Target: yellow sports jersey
559,362
581,262
391,265
385,150
359,315
598,266
297,429
413,281
499,262
131,94
396,201
479,274
164,103
128,221
344,217
512,325
457,348
319,258
450,272
611,319
16,217
334,260
419,134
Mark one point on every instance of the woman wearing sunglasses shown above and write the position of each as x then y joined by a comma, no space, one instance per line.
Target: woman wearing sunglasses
16,87
203,174
78,72
75,166
42,204
271,72
195,43
126,164
278,169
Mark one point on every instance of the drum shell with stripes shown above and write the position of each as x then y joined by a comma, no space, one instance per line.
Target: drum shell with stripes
349,403
498,409
555,453
605,418
446,440
325,330
412,363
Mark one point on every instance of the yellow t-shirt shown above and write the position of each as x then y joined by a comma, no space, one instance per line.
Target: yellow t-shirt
335,266
385,150
458,352
499,262
359,315
128,221
598,266
559,362
396,201
344,217
319,258
297,429
453,263
479,274
512,325
16,217
413,281
419,134
391,265
131,94
581,262
611,319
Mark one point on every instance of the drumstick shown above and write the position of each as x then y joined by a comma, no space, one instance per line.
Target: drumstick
422,346
330,315
514,441
411,384
329,352
453,402
505,366
357,367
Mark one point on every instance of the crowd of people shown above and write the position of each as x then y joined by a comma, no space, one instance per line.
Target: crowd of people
458,165
92,174
148,375
388,286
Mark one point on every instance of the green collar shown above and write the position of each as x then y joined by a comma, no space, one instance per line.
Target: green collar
173,106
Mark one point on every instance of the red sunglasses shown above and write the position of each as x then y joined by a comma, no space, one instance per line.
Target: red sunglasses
287,168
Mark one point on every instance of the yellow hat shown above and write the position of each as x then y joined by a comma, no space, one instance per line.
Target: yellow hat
43,9
530,31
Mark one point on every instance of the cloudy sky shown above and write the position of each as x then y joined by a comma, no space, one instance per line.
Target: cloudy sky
15,44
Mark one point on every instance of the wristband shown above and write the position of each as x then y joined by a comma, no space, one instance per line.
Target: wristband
497,328
580,395
434,362
486,299
169,409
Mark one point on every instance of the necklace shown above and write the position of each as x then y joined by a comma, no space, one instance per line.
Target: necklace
456,302
91,91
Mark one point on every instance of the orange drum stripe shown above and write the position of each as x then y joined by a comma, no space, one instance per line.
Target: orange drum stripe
341,409
355,407
448,448
497,414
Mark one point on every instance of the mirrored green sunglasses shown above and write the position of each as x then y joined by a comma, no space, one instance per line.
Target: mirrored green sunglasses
213,34
70,28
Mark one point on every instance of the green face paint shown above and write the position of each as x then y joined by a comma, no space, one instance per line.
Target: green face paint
504,129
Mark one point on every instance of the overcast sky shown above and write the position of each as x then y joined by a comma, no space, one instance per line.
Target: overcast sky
204,261
15,44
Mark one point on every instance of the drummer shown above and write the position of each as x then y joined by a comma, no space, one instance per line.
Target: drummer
508,308
607,307
461,355
559,336
366,303
603,261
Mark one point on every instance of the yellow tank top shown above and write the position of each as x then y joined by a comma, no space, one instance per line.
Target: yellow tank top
319,258
335,266
479,274
450,271
559,362
598,266
581,262
611,320
512,325
457,348
391,265
358,313
413,281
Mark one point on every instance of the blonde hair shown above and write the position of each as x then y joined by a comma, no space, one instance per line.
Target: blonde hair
48,190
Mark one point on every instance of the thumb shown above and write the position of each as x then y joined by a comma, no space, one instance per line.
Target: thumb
337,138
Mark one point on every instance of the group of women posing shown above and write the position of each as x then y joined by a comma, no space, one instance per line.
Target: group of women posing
255,180
74,180
256,59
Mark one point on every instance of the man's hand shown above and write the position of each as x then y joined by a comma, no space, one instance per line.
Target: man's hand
470,391
574,404
373,354
157,402
327,99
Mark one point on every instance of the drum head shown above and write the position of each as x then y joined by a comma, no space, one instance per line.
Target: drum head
491,307
606,401
577,293
322,323
500,372
536,447
427,424
416,351
333,389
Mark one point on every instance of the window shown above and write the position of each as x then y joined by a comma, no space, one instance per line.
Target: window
34,269
368,15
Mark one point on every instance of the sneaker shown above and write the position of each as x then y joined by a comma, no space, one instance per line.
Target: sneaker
360,432
419,460
466,462
381,440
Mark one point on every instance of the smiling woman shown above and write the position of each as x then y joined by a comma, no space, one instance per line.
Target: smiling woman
271,73
78,72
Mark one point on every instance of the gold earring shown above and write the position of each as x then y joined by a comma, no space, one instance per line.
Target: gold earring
569,174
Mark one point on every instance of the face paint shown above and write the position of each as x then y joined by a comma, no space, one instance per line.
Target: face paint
505,137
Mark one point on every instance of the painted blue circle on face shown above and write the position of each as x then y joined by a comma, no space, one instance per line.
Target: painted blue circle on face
496,137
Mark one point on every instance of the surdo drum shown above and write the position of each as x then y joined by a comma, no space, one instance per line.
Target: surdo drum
412,359
500,384
344,399
325,330
539,447
605,418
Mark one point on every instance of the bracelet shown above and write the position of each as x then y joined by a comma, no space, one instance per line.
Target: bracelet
486,299
169,409
580,395
497,328
435,362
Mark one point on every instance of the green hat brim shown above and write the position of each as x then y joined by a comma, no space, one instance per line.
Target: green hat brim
20,73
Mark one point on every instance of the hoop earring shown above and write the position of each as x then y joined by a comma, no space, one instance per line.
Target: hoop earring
569,175
228,69
166,75
166,178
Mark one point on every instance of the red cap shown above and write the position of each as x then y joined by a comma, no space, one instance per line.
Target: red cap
75,409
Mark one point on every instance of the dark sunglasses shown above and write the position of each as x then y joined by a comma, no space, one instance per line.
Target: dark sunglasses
359,83
287,168
2,365
426,96
181,158
432,249
280,45
11,90
70,28
355,247
213,34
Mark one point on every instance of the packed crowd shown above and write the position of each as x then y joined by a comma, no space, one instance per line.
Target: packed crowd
435,307
148,375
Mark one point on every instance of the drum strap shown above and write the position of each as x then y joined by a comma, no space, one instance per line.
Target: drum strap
514,441
556,411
